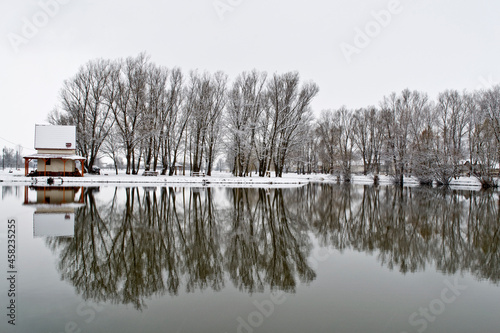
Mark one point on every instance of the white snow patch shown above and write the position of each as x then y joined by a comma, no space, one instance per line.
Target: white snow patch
218,179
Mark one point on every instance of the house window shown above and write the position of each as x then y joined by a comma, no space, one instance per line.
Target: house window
47,161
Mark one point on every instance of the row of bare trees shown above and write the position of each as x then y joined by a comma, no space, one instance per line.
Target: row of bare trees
267,120
138,110
11,158
408,134
157,117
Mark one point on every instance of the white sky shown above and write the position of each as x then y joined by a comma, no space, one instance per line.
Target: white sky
428,45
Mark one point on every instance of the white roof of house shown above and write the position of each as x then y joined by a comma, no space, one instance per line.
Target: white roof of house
54,156
55,137
54,224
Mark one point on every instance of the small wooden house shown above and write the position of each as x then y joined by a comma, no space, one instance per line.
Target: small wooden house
56,152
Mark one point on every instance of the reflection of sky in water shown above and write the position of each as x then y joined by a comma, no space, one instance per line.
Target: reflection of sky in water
351,259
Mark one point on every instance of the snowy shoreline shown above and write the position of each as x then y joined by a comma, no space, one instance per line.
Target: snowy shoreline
108,177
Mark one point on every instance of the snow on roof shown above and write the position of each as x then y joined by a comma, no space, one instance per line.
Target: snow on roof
54,156
55,137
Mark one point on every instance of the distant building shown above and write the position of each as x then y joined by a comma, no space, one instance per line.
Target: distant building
56,152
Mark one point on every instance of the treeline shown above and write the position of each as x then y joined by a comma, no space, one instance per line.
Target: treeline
408,134
11,158
162,119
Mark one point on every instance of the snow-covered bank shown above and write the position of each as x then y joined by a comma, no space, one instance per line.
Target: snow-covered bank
16,177
461,182
218,178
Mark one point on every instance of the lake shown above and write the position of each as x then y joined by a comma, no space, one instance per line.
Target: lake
317,258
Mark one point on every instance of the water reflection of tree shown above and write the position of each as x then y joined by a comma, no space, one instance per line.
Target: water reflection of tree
201,252
410,228
267,242
142,243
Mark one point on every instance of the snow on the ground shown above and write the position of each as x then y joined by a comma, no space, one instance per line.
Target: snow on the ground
217,178
461,182
109,177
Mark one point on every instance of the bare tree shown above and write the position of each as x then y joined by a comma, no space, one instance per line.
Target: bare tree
8,157
486,136
175,122
218,97
368,138
449,150
262,139
129,107
84,105
336,141
327,140
304,155
112,148
395,134
246,102
399,114
289,109
490,105
343,119
153,119
206,98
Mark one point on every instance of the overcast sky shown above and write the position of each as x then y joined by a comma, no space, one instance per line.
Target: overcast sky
357,51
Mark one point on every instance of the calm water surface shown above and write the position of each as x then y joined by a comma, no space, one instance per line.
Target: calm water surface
319,258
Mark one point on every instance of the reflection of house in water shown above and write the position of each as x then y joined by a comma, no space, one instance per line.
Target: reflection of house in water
55,209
